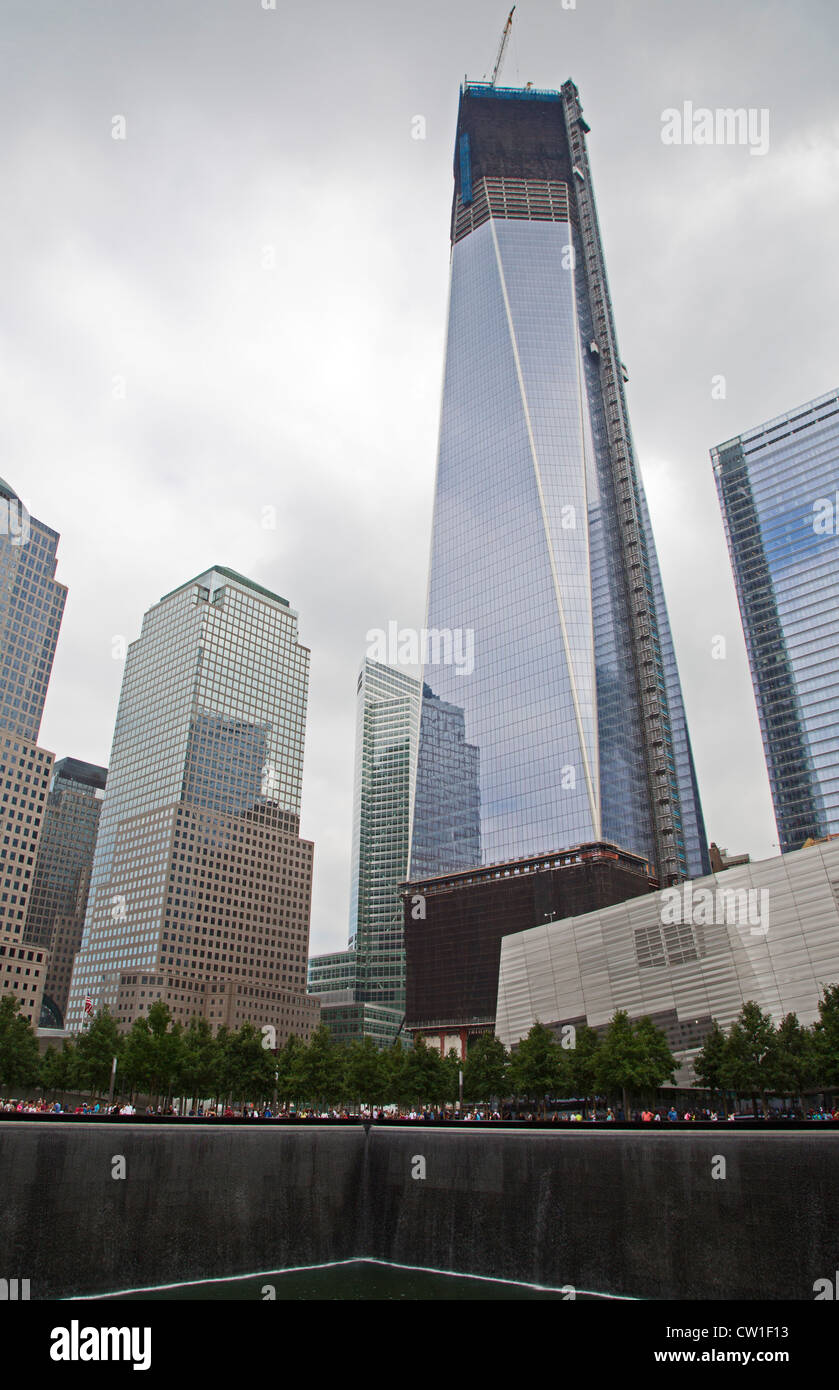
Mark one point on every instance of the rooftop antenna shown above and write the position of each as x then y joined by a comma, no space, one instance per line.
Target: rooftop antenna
502,47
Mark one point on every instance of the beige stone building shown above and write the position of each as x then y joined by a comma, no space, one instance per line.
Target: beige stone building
31,608
201,885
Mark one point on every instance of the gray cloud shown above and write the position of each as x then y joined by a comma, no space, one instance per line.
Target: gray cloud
313,387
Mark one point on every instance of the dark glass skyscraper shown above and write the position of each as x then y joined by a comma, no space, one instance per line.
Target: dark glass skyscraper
55,919
779,490
571,712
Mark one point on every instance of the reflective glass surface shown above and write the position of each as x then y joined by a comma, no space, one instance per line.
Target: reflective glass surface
779,490
387,731
543,745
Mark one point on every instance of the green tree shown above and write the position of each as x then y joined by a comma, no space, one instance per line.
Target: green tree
322,1068
136,1066
633,1058
579,1064
364,1072
19,1061
615,1071
289,1065
794,1060
166,1050
226,1072
198,1060
251,1067
485,1069
452,1067
68,1067
708,1064
535,1066
425,1078
397,1080
96,1048
654,1062
55,1070
749,1053
826,1038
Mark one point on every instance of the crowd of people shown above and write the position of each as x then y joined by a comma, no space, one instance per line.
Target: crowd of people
47,1107
266,1112
704,1116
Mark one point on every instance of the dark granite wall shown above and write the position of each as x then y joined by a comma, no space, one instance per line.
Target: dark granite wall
614,1211
625,1212
196,1203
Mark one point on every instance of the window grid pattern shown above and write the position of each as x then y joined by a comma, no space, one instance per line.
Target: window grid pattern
779,491
199,877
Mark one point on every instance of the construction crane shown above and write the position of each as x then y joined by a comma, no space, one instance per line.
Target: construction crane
502,47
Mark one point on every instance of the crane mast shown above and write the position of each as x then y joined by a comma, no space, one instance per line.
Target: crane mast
502,47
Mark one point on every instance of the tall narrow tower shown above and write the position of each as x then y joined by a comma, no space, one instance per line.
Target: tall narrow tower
387,722
362,989
542,552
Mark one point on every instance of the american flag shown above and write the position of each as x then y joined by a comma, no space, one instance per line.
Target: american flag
88,1005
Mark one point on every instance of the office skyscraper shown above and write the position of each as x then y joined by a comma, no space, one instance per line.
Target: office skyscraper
447,818
62,873
779,490
542,548
387,728
31,609
201,886
362,989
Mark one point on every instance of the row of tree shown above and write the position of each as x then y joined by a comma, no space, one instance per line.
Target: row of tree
630,1060
755,1058
161,1059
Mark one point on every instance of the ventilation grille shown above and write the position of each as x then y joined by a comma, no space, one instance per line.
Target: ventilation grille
661,945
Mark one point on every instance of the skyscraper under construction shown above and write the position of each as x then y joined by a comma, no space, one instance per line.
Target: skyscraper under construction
541,543
559,758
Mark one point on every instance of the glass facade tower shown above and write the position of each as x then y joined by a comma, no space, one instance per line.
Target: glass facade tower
200,887
57,907
569,726
387,730
779,491
362,990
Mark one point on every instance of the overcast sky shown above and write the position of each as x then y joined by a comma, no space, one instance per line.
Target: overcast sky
258,137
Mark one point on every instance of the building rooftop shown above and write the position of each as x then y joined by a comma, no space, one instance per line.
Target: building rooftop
236,577
596,850
800,416
75,770
486,89
509,133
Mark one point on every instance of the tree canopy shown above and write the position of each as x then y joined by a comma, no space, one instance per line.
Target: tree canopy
161,1059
